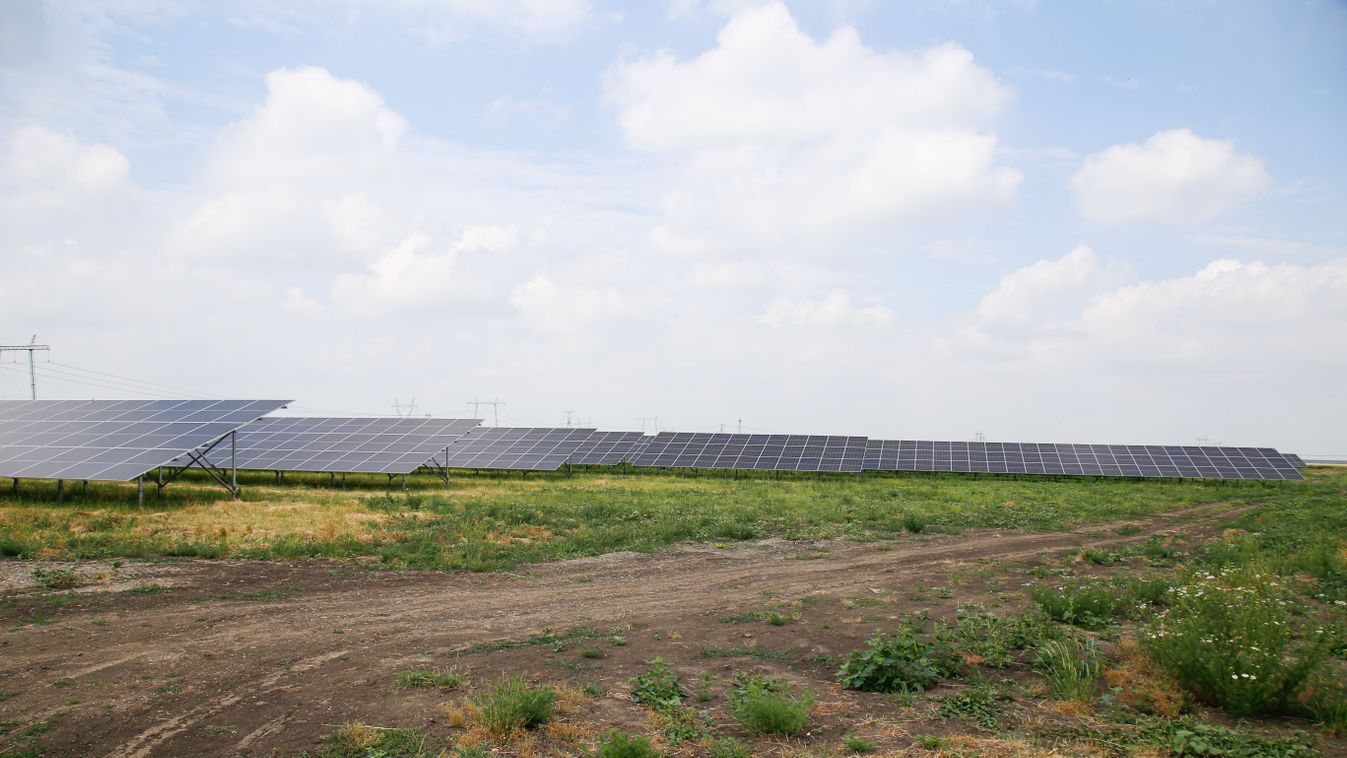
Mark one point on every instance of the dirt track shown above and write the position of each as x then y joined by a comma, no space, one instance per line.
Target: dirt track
250,658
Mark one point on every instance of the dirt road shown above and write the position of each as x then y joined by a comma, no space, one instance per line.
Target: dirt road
252,658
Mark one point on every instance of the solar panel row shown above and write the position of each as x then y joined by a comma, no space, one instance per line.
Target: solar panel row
764,452
526,449
1079,460
116,440
1295,460
346,445
125,439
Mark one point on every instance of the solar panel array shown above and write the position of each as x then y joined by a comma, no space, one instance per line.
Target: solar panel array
369,445
112,440
763,452
1295,460
608,448
1079,460
517,448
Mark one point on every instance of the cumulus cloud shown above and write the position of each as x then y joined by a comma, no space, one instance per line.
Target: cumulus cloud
43,168
1176,176
785,134
1047,292
833,310
416,274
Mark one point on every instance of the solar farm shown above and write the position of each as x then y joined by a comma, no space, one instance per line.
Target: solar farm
275,583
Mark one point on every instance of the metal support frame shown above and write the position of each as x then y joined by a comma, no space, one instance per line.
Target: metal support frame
440,471
227,479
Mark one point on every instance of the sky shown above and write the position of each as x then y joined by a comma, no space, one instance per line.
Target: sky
1030,221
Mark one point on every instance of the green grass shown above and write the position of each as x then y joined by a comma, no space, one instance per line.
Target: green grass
763,706
429,680
510,704
498,522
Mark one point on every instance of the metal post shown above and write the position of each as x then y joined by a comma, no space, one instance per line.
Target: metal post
140,490
446,468
404,482
86,487
161,480
16,484
60,490
234,462
343,480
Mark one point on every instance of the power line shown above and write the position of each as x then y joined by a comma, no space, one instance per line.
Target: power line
31,348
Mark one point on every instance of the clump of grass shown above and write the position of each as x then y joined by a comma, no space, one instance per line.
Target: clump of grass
914,522
1137,683
1326,699
1230,639
617,744
727,747
854,744
511,705
1071,667
900,663
984,637
981,702
430,680
146,588
764,706
357,740
1090,604
56,579
592,653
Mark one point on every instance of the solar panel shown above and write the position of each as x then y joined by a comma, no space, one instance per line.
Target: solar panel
763,452
112,440
1079,460
1295,460
608,448
371,445
523,448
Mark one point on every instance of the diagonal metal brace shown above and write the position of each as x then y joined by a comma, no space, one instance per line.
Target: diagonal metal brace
200,459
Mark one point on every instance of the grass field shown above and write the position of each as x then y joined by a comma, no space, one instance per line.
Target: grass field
492,522
827,616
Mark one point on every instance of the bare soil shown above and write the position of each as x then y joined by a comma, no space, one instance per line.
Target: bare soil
264,658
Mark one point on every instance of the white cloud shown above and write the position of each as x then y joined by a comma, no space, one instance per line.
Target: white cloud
1175,177
299,303
833,310
789,139
311,127
43,168
1047,292
453,19
417,275
767,80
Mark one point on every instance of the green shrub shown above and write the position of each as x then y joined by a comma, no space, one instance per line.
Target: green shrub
622,745
981,702
1090,604
993,638
658,687
1071,667
914,522
510,705
1194,739
900,663
855,744
766,707
12,548
56,579
1229,639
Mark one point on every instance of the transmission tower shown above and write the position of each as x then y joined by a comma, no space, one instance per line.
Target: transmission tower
31,347
495,409
404,410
